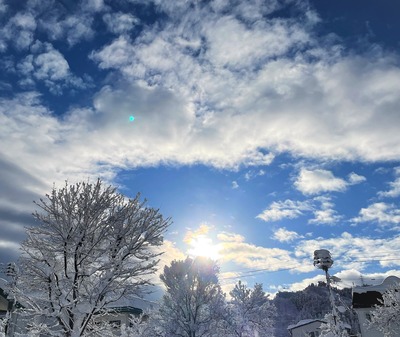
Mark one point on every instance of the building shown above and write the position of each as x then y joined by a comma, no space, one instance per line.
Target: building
122,311
119,313
306,327
3,304
365,298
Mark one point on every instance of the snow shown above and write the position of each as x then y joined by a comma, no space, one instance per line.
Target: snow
390,280
305,322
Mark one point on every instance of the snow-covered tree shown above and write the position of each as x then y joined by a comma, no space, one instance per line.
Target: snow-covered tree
144,325
250,312
193,301
3,322
386,317
333,327
92,247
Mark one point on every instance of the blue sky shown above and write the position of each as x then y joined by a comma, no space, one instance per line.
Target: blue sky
264,129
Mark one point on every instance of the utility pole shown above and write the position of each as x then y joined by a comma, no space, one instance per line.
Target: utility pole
323,260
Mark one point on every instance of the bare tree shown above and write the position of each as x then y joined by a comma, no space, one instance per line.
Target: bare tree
193,300
92,247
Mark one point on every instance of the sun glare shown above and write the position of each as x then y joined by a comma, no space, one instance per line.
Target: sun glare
202,246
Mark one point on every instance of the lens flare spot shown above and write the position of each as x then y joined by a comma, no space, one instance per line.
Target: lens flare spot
131,118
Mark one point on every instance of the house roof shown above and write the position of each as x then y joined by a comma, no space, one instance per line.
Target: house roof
305,322
133,302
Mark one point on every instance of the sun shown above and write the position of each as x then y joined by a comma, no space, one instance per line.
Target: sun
203,246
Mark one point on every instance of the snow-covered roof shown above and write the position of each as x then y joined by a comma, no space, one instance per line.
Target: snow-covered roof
390,280
3,283
133,302
305,322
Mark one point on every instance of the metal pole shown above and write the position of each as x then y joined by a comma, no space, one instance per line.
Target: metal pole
332,299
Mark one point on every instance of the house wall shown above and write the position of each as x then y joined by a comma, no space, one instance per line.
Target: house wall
3,304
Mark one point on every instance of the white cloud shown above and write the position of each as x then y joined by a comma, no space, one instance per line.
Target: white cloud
321,207
119,23
298,286
285,209
284,235
49,66
235,185
317,181
349,278
261,106
230,237
353,252
354,178
394,190
116,55
78,28
9,245
93,6
192,105
73,28
325,214
3,6
19,30
379,212
232,44
253,174
255,257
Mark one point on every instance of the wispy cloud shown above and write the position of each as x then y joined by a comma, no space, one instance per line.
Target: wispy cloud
119,22
48,65
353,252
251,174
250,256
325,213
285,209
322,209
394,190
